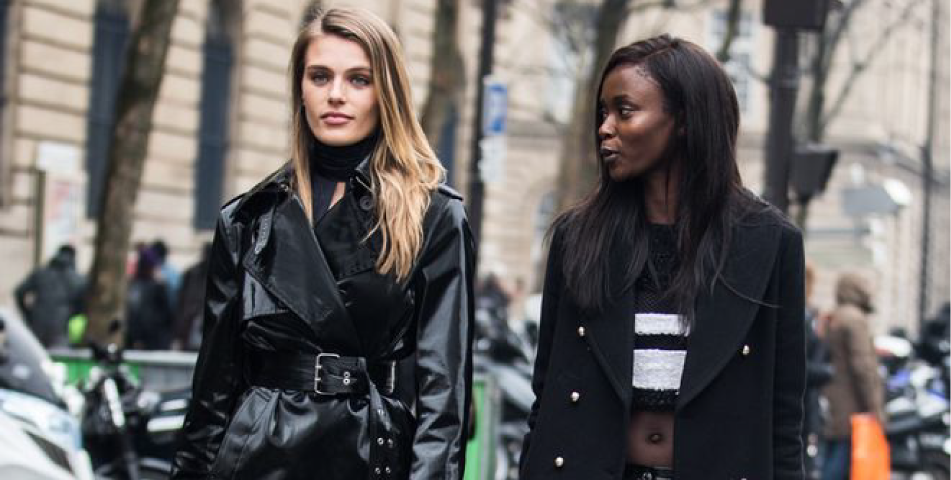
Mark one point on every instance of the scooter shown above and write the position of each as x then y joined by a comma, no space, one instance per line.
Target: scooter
502,353
130,432
39,438
917,411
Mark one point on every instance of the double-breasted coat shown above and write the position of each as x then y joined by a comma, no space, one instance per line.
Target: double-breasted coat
274,292
739,410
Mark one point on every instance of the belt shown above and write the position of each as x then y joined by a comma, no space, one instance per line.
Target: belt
640,472
324,373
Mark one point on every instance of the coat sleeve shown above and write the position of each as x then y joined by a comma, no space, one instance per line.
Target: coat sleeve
444,347
790,377
862,364
25,288
551,294
217,382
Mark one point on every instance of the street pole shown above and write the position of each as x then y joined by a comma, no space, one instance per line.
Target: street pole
784,84
927,167
476,186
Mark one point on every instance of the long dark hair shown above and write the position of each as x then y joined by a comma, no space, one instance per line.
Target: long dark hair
606,232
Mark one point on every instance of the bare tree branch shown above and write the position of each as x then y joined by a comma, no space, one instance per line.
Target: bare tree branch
731,30
860,66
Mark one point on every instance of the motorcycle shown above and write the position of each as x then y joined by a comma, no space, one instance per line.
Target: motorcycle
917,412
130,432
39,438
506,355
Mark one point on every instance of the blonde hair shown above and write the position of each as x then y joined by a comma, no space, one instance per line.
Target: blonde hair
403,167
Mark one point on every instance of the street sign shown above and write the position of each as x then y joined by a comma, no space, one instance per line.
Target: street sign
494,106
492,158
492,146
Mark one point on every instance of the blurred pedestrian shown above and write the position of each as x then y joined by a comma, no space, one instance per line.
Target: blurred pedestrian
856,386
148,309
935,335
188,308
51,294
818,373
167,272
671,339
348,261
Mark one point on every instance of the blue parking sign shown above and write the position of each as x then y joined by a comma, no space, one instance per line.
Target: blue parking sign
494,107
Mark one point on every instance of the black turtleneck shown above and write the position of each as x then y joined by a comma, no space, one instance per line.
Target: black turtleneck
330,165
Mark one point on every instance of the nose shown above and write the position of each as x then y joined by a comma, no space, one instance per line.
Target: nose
606,129
336,94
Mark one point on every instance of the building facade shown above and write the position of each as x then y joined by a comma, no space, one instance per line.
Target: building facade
220,125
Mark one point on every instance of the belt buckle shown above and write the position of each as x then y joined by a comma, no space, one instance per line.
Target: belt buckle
317,368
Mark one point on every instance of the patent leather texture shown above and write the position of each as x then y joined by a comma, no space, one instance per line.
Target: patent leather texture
278,285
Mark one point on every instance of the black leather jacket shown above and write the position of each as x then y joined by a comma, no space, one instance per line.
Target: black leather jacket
274,289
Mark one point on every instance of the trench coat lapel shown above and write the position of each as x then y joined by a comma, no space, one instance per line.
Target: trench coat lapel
722,316
293,268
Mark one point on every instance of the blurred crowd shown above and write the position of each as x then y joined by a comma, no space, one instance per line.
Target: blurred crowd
163,304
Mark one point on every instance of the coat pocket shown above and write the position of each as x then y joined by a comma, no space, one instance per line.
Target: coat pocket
243,425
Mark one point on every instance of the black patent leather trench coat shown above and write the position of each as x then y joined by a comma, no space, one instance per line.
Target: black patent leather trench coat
271,289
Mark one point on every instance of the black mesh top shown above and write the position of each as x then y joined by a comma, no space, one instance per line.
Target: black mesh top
660,336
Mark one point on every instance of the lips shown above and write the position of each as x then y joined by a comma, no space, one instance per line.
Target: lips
335,118
608,154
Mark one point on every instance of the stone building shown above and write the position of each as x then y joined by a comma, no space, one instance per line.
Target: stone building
220,126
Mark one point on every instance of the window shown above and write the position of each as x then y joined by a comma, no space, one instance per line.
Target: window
213,129
108,58
741,49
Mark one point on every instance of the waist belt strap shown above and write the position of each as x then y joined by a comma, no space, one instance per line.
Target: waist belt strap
324,374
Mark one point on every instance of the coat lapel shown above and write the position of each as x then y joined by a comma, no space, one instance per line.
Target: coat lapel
612,346
293,269
723,317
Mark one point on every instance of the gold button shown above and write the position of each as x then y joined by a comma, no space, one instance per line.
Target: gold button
580,331
559,462
575,396
746,350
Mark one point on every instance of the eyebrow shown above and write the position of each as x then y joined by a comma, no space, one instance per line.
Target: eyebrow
349,70
615,99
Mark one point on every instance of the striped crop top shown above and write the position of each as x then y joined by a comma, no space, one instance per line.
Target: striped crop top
660,331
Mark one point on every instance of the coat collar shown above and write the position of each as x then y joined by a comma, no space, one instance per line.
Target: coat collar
295,270
723,317
282,180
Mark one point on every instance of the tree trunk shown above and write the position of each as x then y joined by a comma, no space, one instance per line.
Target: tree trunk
579,167
145,65
447,72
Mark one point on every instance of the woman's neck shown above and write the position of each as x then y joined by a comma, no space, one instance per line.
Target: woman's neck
660,195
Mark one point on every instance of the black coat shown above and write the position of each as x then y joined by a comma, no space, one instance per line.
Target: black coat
739,409
274,290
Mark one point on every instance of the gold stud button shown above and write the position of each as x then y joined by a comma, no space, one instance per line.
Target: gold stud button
575,396
559,462
746,350
580,331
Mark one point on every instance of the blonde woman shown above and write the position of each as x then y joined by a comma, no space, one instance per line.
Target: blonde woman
350,260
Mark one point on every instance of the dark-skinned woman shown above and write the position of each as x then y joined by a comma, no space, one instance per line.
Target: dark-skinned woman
671,338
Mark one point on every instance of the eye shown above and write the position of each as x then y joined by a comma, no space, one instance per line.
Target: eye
360,80
319,78
626,110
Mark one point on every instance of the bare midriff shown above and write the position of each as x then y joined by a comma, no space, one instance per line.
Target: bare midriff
650,439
